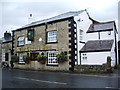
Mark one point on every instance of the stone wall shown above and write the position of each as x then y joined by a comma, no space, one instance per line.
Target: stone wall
62,44
35,65
7,46
93,68
62,37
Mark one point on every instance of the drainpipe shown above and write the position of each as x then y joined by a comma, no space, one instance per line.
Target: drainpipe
77,28
115,48
77,42
12,51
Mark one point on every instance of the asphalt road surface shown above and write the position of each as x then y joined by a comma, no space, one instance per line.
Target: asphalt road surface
15,78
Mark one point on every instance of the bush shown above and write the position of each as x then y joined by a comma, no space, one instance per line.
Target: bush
118,66
62,57
27,59
109,61
14,58
42,59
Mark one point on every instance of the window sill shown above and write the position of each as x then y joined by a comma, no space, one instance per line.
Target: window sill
20,45
52,65
22,63
51,42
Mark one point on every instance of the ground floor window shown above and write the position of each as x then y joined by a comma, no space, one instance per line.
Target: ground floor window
52,59
34,55
21,55
84,56
6,57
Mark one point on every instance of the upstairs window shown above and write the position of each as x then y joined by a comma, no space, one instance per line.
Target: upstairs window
21,41
81,35
52,36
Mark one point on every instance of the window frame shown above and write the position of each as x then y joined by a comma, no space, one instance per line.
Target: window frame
50,63
84,56
20,41
27,42
34,56
48,42
81,35
21,61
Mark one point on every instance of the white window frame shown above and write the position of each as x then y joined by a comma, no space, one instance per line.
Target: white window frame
52,59
52,36
27,41
81,35
84,56
21,55
21,41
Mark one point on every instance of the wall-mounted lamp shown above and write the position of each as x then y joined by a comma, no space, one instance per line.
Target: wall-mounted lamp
40,39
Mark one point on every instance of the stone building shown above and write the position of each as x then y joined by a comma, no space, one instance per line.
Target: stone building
0,50
49,37
6,47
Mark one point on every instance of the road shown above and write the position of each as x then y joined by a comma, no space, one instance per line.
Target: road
15,78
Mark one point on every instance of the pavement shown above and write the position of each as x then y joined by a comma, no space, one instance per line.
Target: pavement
15,78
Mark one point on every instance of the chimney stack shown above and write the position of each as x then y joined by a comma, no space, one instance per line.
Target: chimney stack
7,35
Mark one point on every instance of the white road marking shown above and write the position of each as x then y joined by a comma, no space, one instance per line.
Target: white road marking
90,75
112,87
41,80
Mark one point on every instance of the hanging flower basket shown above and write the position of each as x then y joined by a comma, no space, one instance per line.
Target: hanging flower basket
27,59
42,59
62,57
42,62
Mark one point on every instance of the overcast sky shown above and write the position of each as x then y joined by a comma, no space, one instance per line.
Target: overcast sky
15,13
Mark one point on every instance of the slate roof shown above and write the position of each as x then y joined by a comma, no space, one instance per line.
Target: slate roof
99,27
9,40
55,18
97,45
3,40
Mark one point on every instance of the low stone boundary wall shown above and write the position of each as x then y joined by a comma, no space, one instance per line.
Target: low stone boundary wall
35,65
93,69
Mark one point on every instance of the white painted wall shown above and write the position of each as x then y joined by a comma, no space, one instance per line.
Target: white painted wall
103,36
3,55
119,21
83,25
95,58
9,59
92,36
